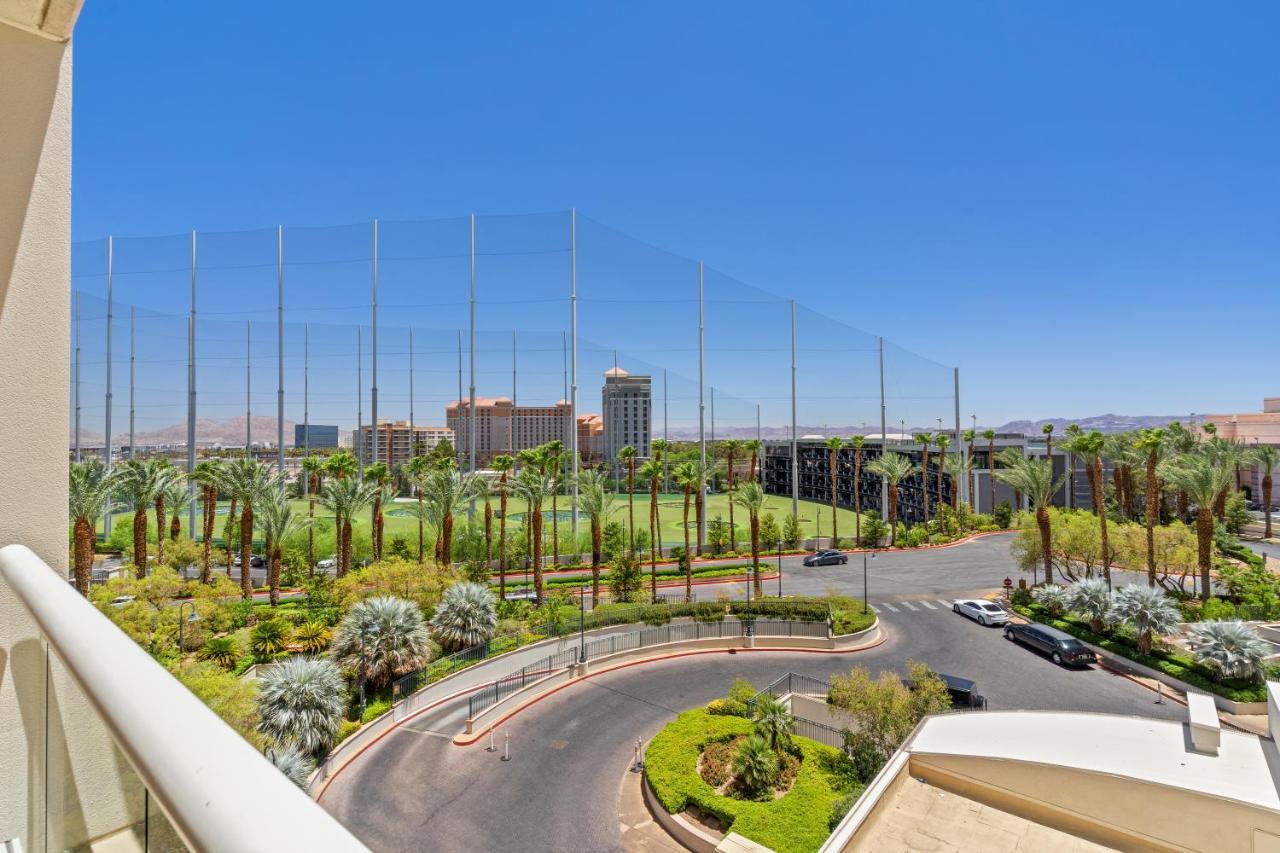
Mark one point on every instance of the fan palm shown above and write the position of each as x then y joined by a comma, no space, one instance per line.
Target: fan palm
1071,431
1034,478
1266,456
1202,479
755,765
553,469
957,467
208,476
295,766
221,650
416,470
1151,441
138,486
1230,648
651,470
731,447
465,616
249,481
773,722
1092,598
969,436
278,522
448,492
1090,445
502,464
341,465
834,445
926,440
751,498
384,634
300,703
595,499
177,498
627,456
1149,610
1055,599
89,497
892,468
753,446
531,486
344,497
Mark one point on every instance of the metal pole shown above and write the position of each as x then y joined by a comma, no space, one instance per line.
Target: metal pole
513,394
666,484
191,397
795,452
702,438
884,441
461,399
757,427
133,453
306,392
106,522
373,388
248,389
573,364
76,304
471,354
280,350
964,480
359,441
413,435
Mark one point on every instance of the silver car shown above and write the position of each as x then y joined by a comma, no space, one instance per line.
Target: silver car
982,611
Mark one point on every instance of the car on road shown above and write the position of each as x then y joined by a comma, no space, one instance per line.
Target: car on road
826,558
981,611
1062,648
327,563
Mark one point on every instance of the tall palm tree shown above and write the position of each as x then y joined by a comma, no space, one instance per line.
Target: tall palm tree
660,448
1089,445
731,447
926,440
502,464
553,454
1118,449
166,476
278,522
834,445
1229,454
627,456
89,497
751,498
753,446
856,443
1072,431
1151,441
345,496
208,476
652,471
943,441
687,477
379,475
701,474
177,501
416,470
990,436
312,469
1202,477
249,481
137,487
969,436
892,468
1180,440
1266,456
448,492
1034,478
595,499
958,467
532,486
1047,431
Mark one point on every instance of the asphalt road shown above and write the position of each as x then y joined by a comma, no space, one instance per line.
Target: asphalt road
416,790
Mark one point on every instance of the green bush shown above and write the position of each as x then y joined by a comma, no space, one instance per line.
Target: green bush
269,639
800,609
655,614
1003,515
345,730
839,809
375,708
851,621
796,823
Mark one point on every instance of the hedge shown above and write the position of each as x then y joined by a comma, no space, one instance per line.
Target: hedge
1179,666
795,823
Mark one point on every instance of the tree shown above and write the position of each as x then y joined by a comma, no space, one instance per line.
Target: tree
344,497
1149,610
502,464
773,722
1267,456
791,531
700,473
553,467
856,443
384,634
1034,478
278,522
466,617
447,492
300,703
1055,599
531,486
416,471
166,477
1092,598
687,477
753,446
595,499
627,456
208,476
177,498
295,766
1202,480
926,440
379,475
342,465
730,447
990,436
412,581
892,468
755,765
249,481
89,496
1151,441
312,468
969,436
885,710
751,498
958,466
943,441
1229,648
138,485
834,445
651,470
1090,445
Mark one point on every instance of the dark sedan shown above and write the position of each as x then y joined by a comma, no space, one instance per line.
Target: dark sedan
1062,648
826,558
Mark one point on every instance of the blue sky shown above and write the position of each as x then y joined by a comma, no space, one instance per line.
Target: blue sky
1057,198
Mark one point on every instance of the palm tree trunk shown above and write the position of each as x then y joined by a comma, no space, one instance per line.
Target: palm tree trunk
924,484
246,549
140,543
857,497
175,528
893,515
1266,504
206,528
1204,539
344,565
502,542
1102,520
84,536
972,497
755,553
754,461
537,555
268,544
488,534
274,579
1153,514
832,468
421,540
226,532
655,543
698,510
595,559
555,528
160,529
311,536
688,560
446,540
991,472
631,505
1046,541
733,537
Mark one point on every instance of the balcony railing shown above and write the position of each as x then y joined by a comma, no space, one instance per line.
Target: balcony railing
120,753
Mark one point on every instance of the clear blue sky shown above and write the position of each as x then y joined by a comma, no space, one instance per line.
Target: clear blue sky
1078,204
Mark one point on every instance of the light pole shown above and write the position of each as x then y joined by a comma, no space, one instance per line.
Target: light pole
194,617
582,621
779,568
864,579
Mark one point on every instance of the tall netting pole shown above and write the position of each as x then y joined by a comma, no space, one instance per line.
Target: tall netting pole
666,479
514,402
133,358
106,522
191,397
471,355
306,395
76,304
373,389
702,438
280,350
413,434
884,440
462,430
963,485
248,389
573,364
359,433
795,458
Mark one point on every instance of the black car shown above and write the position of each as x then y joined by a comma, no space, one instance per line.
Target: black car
826,558
1062,648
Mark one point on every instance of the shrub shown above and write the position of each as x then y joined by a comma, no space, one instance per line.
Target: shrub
293,764
300,703
755,765
773,722
851,620
222,651
657,614
1230,649
885,709
386,634
735,704
345,730
1092,599
466,616
1021,597
1149,610
312,637
1002,516
1215,610
1053,598
231,698
625,577
863,753
839,809
269,639
716,758
791,532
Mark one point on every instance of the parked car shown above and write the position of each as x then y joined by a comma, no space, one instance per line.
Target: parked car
826,558
327,563
981,611
1062,648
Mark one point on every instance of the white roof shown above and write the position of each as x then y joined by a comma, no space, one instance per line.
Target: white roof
1148,750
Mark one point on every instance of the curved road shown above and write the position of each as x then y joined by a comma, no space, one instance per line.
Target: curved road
415,790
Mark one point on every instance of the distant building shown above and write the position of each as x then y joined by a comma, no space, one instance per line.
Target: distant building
504,428
1250,428
397,443
591,439
315,436
626,405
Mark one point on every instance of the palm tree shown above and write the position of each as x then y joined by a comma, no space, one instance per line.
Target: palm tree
595,499
502,464
1152,440
341,465
687,478
1092,597
1034,478
755,765
465,617
379,475
773,722
248,481
532,486
990,436
1072,431
1231,648
627,456
659,447
89,497
278,522
385,635
300,703
416,470
856,443
1149,610
166,476
295,766
1118,449
1089,445
448,492
138,485
753,446
652,471
958,467
892,468
834,445
1202,479
943,441
751,498
345,497
1047,430
553,455
969,436
208,476
1267,456
177,499
731,447
925,439
312,467
1180,440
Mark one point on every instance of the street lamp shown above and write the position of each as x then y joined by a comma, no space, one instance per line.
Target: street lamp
582,621
864,578
779,568
194,617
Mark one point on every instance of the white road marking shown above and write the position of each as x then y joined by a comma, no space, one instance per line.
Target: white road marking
891,607
926,604
874,609
907,604
946,604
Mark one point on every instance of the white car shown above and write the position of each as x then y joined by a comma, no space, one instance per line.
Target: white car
981,611
328,563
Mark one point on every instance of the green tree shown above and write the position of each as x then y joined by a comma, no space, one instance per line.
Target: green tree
249,481
344,497
884,710
651,470
627,456
379,475
532,487
1152,441
1034,478
731,447
1202,479
751,497
384,634
773,722
502,464
834,446
595,499
892,468
448,492
467,616
856,443
990,436
138,486
687,478
300,703
89,497
279,522
792,533
1266,456
926,441
208,476
943,441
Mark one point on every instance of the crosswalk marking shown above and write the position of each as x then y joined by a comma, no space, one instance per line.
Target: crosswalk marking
928,605
891,607
946,604
874,609
907,604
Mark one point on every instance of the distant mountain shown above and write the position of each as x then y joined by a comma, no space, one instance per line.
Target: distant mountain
1102,423
208,432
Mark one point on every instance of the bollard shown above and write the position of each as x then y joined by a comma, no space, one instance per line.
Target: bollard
506,747
637,765
1159,692
492,747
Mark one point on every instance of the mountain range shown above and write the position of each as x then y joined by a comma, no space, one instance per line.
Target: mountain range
209,432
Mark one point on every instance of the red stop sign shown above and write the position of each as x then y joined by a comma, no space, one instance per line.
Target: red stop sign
1008,583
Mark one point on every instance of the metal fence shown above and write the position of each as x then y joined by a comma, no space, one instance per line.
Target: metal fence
494,693
794,682
818,731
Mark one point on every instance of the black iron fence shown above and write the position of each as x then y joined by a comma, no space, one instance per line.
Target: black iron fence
820,732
